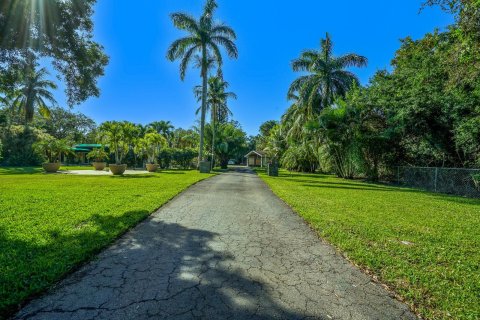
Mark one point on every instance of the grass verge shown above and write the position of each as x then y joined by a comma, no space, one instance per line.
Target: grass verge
424,246
51,223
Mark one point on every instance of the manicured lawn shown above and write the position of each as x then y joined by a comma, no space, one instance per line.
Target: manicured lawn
50,223
424,246
32,170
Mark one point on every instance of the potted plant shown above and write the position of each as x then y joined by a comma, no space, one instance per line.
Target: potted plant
52,149
112,133
98,155
153,142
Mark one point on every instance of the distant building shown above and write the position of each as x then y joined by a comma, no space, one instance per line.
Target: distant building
81,151
256,158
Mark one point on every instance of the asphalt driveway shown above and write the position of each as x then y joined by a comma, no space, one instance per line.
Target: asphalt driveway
227,248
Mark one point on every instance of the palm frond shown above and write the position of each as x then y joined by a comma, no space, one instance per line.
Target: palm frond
178,48
43,109
47,95
185,22
350,60
297,85
187,58
209,8
217,55
228,44
301,64
224,31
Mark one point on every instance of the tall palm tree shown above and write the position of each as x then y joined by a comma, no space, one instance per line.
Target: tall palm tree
165,128
205,37
217,97
33,92
327,78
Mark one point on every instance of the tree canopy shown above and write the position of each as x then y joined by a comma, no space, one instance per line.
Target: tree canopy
58,29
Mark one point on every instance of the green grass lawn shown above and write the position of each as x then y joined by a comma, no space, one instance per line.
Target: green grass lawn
425,246
32,170
50,223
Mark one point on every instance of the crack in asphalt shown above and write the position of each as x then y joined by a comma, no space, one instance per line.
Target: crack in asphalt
227,248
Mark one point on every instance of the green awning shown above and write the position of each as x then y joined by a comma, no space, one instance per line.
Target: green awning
76,149
88,146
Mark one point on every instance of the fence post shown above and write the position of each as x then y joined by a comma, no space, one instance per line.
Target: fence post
436,177
398,175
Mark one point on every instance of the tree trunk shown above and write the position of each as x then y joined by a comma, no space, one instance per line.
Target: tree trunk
213,137
204,103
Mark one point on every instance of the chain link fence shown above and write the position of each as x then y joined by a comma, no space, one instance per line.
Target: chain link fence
457,181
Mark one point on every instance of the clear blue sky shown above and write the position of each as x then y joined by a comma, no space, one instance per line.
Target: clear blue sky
141,86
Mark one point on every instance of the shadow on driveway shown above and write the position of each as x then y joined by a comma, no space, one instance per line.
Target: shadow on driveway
162,270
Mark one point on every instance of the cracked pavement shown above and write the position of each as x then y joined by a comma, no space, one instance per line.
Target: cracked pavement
227,248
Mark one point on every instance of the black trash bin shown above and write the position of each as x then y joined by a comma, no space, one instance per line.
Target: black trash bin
272,169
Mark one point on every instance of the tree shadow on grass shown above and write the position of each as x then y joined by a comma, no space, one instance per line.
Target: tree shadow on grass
302,175
359,187
136,176
161,270
20,170
172,172
384,188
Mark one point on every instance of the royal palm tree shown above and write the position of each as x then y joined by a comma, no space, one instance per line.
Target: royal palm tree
33,92
205,37
217,97
327,76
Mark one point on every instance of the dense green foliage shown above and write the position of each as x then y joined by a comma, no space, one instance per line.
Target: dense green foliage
52,223
118,137
98,155
425,112
174,157
33,89
18,144
230,142
52,149
416,242
58,29
217,104
65,124
326,78
297,141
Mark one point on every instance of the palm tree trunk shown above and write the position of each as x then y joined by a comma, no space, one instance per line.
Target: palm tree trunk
204,103
213,141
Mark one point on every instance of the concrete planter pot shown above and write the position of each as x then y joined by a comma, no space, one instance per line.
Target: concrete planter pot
205,167
99,166
51,167
152,167
117,169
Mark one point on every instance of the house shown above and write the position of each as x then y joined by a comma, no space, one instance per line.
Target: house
256,159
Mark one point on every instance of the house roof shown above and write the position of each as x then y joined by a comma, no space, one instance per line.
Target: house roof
257,152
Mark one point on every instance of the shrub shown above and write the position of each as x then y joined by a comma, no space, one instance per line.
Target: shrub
52,148
180,157
165,157
98,155
18,146
184,157
153,142
114,134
